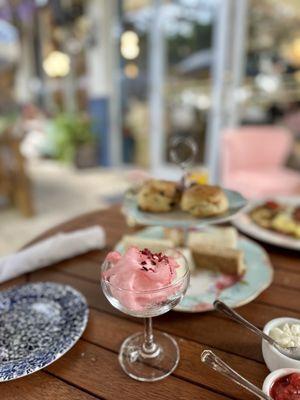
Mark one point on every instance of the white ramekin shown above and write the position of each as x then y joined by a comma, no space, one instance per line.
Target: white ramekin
273,358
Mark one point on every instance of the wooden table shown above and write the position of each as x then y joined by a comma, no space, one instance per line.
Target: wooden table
91,370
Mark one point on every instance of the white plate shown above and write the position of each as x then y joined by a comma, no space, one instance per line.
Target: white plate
244,223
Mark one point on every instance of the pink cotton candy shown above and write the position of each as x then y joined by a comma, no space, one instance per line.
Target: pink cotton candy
140,271
113,257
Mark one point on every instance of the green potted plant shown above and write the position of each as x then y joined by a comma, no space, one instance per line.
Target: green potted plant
74,141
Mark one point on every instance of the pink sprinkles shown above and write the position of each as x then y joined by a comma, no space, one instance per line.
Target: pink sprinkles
154,258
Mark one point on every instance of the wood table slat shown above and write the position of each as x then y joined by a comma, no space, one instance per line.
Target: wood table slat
81,267
97,370
288,299
14,282
101,326
41,386
287,279
260,314
285,260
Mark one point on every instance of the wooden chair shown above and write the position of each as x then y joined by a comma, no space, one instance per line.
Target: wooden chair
15,185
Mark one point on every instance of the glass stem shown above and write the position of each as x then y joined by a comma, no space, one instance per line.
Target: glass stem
150,348
185,232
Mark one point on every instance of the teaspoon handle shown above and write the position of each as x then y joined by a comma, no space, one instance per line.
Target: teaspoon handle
213,361
223,308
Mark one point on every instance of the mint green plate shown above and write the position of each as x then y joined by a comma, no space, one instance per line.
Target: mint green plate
206,286
181,219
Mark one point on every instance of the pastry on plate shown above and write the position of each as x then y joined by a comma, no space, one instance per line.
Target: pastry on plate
204,201
158,196
175,235
225,260
213,249
277,217
285,223
264,214
155,245
218,237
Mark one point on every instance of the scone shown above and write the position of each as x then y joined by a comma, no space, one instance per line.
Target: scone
204,201
158,196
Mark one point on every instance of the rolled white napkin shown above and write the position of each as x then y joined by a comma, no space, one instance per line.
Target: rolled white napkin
50,251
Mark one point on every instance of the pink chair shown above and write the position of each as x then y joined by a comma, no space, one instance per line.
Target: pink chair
252,161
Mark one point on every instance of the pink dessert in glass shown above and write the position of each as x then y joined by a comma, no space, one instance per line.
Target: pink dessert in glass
145,284
141,278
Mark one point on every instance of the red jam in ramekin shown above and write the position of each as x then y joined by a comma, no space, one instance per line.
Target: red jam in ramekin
286,388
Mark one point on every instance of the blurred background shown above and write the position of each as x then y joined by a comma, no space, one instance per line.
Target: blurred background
93,92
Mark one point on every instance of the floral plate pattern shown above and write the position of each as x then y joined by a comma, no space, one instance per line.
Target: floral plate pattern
206,286
39,322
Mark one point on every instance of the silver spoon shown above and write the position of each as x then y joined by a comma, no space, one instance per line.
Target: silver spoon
292,352
213,361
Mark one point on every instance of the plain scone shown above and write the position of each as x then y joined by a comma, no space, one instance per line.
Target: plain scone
158,196
204,201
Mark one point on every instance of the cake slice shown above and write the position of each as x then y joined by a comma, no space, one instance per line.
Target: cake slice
226,260
175,235
218,237
155,245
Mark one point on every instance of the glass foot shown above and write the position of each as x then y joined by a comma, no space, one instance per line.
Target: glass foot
149,367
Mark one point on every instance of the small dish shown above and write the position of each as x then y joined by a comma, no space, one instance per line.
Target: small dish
273,358
273,376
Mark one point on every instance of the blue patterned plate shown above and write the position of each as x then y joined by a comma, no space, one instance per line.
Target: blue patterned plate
206,286
179,218
39,322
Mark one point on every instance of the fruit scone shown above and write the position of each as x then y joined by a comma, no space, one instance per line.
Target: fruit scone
158,196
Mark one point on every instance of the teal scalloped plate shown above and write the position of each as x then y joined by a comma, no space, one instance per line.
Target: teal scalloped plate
206,286
181,219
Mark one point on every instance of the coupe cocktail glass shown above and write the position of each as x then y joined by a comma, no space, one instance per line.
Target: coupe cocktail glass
149,356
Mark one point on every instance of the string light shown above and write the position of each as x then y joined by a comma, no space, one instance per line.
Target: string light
130,48
57,64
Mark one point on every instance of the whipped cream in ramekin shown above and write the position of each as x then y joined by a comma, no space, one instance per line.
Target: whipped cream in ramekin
287,335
